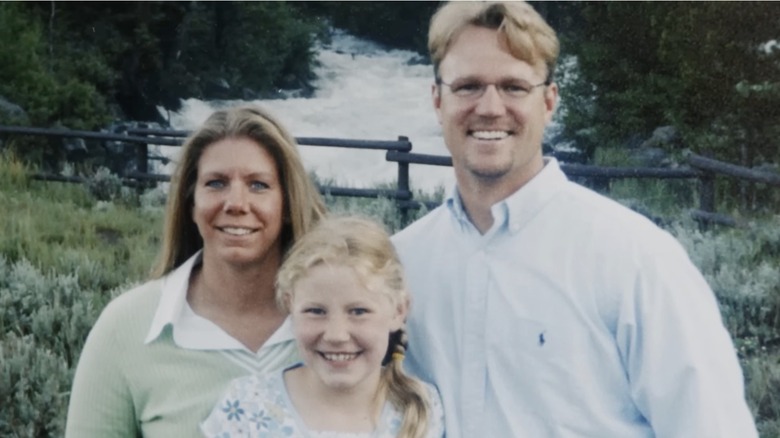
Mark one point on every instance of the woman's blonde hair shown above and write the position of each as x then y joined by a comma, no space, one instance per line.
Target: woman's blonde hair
363,245
303,205
526,34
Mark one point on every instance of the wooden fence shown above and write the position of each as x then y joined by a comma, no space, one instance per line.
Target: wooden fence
703,169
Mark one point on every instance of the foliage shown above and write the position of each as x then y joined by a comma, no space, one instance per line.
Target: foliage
53,89
34,384
726,79
104,185
237,50
707,68
65,228
81,65
61,260
404,25
401,25
741,266
383,209
14,173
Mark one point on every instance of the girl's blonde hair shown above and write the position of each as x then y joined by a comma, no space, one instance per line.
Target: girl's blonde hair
364,246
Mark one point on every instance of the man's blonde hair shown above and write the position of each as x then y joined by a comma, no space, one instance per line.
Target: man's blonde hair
526,34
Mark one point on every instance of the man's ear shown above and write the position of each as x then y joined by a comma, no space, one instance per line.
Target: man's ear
550,101
436,99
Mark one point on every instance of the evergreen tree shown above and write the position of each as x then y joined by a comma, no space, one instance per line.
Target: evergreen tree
704,67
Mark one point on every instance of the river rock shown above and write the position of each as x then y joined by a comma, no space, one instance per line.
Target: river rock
12,114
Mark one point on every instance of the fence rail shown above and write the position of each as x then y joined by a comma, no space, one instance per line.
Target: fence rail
703,169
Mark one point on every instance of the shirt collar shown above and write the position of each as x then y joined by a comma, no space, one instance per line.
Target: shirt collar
174,297
455,205
191,330
521,206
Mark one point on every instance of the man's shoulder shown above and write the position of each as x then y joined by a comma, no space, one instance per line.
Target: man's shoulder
420,228
615,225
595,206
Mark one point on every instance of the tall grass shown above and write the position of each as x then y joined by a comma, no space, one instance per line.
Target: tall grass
670,197
62,227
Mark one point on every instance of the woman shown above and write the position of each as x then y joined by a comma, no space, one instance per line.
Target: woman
159,355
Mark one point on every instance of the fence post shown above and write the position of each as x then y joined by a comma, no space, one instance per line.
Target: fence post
142,157
707,194
601,184
403,184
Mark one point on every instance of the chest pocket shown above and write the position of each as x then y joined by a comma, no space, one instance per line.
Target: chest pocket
548,361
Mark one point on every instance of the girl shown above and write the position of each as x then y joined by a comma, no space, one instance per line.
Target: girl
343,287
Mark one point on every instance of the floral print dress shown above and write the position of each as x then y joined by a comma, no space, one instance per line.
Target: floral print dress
259,406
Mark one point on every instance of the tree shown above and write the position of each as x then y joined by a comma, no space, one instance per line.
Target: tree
242,50
49,88
700,66
728,79
402,25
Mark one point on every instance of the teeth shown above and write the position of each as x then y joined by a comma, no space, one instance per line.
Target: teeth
339,356
489,135
237,231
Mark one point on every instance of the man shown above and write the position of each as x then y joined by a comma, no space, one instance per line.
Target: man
540,308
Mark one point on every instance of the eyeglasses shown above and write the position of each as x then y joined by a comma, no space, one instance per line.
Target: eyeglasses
509,90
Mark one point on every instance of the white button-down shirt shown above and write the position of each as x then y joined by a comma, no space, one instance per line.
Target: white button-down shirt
571,317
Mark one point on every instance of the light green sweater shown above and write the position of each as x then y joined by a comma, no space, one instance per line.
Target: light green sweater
124,388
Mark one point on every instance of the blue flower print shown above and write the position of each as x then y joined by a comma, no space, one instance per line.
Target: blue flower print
260,419
233,410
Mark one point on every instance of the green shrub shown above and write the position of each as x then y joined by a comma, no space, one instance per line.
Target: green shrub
104,185
14,173
741,266
46,86
34,385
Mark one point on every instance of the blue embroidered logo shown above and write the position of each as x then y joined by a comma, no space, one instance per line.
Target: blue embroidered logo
541,339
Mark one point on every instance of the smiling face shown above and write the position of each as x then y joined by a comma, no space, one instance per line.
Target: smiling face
238,203
342,328
492,138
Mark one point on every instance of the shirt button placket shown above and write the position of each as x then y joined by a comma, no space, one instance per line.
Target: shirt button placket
474,361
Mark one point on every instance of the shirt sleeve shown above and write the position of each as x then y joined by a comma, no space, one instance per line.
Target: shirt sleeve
681,363
101,404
